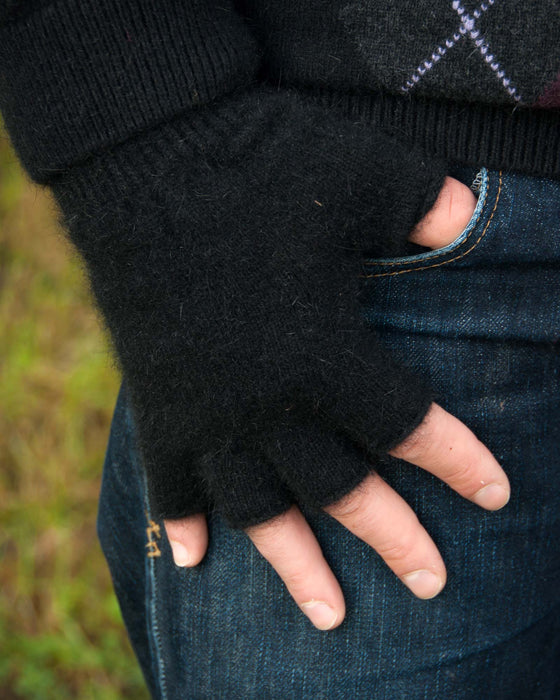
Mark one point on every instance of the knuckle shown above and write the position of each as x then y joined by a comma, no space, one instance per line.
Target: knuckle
177,529
431,439
462,203
398,550
467,472
296,581
463,473
267,531
445,196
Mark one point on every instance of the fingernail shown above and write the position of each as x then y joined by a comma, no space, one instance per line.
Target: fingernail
320,614
491,497
181,555
424,584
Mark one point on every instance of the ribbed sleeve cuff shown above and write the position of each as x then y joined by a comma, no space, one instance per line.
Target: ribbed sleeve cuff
77,76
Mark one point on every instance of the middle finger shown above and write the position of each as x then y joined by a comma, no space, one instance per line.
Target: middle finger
376,514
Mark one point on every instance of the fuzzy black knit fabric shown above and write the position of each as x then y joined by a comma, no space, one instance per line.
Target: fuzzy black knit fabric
227,268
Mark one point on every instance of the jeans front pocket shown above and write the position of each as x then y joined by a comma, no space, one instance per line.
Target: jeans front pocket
489,185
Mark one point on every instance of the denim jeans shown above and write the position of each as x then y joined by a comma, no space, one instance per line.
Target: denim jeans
481,319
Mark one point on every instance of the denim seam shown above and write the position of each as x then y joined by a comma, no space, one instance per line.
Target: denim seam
420,267
153,628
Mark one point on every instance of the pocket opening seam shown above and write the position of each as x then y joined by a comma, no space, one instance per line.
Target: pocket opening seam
413,268
444,251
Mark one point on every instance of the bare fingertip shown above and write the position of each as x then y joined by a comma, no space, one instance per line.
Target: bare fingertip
492,497
181,555
423,583
321,614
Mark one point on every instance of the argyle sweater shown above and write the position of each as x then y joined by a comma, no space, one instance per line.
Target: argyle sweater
222,166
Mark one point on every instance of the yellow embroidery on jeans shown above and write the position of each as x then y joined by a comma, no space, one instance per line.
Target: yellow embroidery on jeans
153,532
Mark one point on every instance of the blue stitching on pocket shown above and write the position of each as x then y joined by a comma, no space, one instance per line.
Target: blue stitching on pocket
447,260
461,238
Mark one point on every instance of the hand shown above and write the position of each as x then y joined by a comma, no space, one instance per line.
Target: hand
373,511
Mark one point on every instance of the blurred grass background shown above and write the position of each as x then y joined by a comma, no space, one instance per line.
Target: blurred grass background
61,633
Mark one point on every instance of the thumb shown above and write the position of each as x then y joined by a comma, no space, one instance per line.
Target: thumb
450,214
188,538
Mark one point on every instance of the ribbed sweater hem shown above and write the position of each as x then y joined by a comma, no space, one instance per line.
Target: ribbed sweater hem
525,140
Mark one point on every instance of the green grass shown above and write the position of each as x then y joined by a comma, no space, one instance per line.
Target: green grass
61,634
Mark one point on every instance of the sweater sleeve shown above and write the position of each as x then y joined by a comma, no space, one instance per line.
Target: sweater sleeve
79,77
222,222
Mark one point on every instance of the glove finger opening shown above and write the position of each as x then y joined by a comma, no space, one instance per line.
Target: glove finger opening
318,465
245,489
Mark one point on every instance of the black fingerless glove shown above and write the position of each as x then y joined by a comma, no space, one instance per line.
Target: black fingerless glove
224,250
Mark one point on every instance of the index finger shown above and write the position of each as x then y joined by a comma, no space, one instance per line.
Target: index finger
445,447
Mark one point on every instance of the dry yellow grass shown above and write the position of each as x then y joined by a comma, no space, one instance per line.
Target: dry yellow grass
61,635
